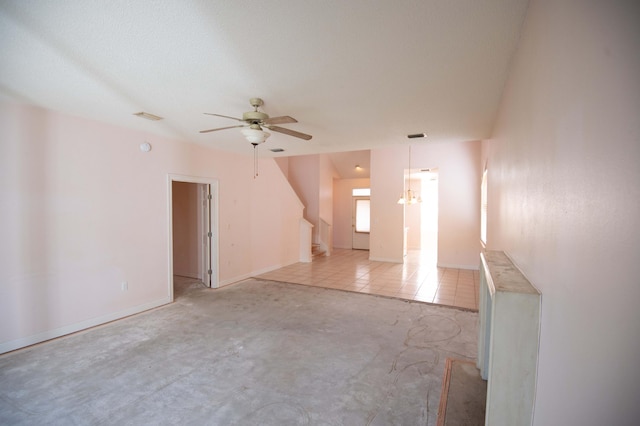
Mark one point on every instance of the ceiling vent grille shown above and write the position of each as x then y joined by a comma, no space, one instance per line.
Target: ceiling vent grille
417,135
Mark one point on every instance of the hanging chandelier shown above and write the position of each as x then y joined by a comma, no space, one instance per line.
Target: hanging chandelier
409,196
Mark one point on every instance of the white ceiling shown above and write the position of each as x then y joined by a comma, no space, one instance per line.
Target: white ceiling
356,74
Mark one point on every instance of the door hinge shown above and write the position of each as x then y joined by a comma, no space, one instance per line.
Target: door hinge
209,234
209,272
209,197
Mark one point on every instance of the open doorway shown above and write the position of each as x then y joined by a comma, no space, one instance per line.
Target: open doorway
421,218
361,220
193,257
429,216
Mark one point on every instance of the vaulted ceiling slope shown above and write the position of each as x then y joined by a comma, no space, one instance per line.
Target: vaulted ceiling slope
355,74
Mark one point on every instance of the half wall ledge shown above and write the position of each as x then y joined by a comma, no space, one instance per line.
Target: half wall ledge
508,340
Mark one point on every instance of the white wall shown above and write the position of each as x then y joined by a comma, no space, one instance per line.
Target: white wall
459,180
564,202
83,209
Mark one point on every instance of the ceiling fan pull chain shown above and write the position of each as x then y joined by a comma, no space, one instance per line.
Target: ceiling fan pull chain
255,160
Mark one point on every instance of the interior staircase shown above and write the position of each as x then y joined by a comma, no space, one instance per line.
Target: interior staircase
317,251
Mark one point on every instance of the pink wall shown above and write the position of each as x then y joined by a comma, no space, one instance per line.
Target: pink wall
275,220
185,229
327,174
564,202
386,239
311,176
83,210
459,180
283,163
342,210
304,175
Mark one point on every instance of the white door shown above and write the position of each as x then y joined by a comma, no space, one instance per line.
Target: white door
361,219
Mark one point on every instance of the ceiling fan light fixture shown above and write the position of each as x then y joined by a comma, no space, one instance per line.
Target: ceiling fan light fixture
254,135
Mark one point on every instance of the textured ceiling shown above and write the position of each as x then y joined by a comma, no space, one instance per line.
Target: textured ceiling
356,74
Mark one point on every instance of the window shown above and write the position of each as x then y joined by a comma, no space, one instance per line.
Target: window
363,215
361,192
483,208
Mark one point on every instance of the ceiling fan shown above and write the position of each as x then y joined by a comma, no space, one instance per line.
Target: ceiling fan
254,121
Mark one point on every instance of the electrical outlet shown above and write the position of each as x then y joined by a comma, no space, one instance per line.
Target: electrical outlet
124,286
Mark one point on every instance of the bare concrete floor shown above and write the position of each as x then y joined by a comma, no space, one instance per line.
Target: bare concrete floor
258,352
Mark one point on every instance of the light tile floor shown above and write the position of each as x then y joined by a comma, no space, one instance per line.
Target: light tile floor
416,279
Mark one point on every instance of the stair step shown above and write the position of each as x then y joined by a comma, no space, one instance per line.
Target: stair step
316,250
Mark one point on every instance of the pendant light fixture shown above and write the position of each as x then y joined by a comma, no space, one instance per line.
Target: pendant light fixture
409,197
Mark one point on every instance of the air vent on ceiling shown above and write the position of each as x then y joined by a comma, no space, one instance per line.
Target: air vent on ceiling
276,150
417,135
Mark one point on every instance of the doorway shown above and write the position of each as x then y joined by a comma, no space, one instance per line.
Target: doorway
421,219
429,216
361,223
193,226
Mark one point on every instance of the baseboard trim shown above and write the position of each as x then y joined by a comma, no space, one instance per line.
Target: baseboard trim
455,266
235,279
384,259
12,345
253,274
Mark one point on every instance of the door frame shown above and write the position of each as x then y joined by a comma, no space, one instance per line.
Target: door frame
213,220
204,226
354,201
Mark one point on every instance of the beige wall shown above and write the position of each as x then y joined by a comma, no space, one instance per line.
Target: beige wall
185,229
564,202
459,181
83,210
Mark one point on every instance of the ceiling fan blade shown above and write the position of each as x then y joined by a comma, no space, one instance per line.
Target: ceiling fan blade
221,128
224,116
285,119
289,132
